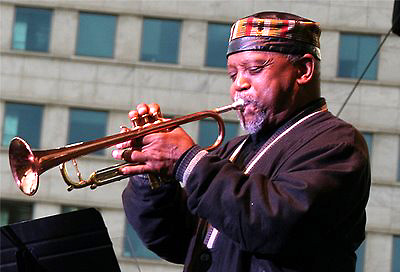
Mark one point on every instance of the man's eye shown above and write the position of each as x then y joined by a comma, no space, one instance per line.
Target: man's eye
232,76
255,69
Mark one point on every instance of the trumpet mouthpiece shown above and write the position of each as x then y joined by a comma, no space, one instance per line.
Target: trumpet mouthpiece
238,104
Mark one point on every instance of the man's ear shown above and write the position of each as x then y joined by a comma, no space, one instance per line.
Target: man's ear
305,66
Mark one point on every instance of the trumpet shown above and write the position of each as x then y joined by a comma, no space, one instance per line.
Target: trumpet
27,165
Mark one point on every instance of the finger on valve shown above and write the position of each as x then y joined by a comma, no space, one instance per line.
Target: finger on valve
145,114
155,110
126,144
134,117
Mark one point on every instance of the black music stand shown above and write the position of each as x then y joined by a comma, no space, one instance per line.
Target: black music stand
75,241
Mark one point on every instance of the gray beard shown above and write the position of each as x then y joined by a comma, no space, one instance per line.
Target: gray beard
255,125
257,122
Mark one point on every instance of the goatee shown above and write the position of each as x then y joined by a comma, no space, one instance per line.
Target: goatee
257,122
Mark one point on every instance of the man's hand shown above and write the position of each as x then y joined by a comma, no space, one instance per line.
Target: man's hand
157,152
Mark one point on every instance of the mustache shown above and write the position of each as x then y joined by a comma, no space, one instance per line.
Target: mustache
248,100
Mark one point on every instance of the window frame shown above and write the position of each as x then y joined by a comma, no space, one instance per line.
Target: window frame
395,261
107,118
114,41
50,29
369,140
128,250
178,41
360,252
39,131
16,205
376,57
207,44
214,126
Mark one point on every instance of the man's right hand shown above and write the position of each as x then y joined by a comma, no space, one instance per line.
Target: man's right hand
156,152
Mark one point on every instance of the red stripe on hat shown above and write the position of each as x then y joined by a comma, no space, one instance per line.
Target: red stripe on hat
249,26
285,28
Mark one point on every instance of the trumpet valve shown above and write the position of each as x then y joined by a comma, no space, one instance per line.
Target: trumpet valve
146,118
156,116
135,121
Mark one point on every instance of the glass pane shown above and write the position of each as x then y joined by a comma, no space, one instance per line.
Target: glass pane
133,246
14,211
96,35
368,46
86,125
368,137
355,52
360,252
160,40
24,121
396,254
31,29
217,44
348,53
208,132
20,30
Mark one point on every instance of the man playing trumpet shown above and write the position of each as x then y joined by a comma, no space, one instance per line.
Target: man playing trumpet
289,196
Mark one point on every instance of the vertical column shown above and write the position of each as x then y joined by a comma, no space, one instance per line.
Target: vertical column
115,222
378,253
329,52
54,127
384,157
193,42
128,38
64,32
45,209
6,22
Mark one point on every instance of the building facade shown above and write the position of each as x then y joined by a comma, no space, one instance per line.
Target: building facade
71,71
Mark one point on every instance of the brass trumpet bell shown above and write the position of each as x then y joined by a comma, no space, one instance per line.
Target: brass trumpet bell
25,166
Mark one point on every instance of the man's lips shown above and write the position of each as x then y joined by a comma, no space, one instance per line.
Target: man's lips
249,109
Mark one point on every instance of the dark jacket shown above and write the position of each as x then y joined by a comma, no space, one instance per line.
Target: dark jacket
300,208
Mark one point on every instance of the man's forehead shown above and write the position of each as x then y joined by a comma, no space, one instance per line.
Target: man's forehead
251,57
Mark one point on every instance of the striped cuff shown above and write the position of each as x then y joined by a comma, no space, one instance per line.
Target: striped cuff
188,162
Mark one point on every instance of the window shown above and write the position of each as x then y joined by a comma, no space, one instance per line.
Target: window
22,120
360,252
96,35
355,52
368,137
160,40
86,125
133,246
217,44
31,29
208,132
396,254
14,212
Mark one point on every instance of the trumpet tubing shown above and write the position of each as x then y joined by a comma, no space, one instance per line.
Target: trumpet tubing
27,165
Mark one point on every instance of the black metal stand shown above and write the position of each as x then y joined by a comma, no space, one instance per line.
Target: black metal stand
75,241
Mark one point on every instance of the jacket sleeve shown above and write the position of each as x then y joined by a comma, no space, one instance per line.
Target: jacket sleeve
160,217
319,191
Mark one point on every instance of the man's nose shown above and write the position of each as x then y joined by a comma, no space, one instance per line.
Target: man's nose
241,83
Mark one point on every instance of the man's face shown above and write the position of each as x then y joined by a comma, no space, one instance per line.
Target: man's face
266,82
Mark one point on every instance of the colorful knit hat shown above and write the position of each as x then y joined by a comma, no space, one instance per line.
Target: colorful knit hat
277,32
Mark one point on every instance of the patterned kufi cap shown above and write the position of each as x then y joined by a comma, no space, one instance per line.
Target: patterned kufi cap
277,32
